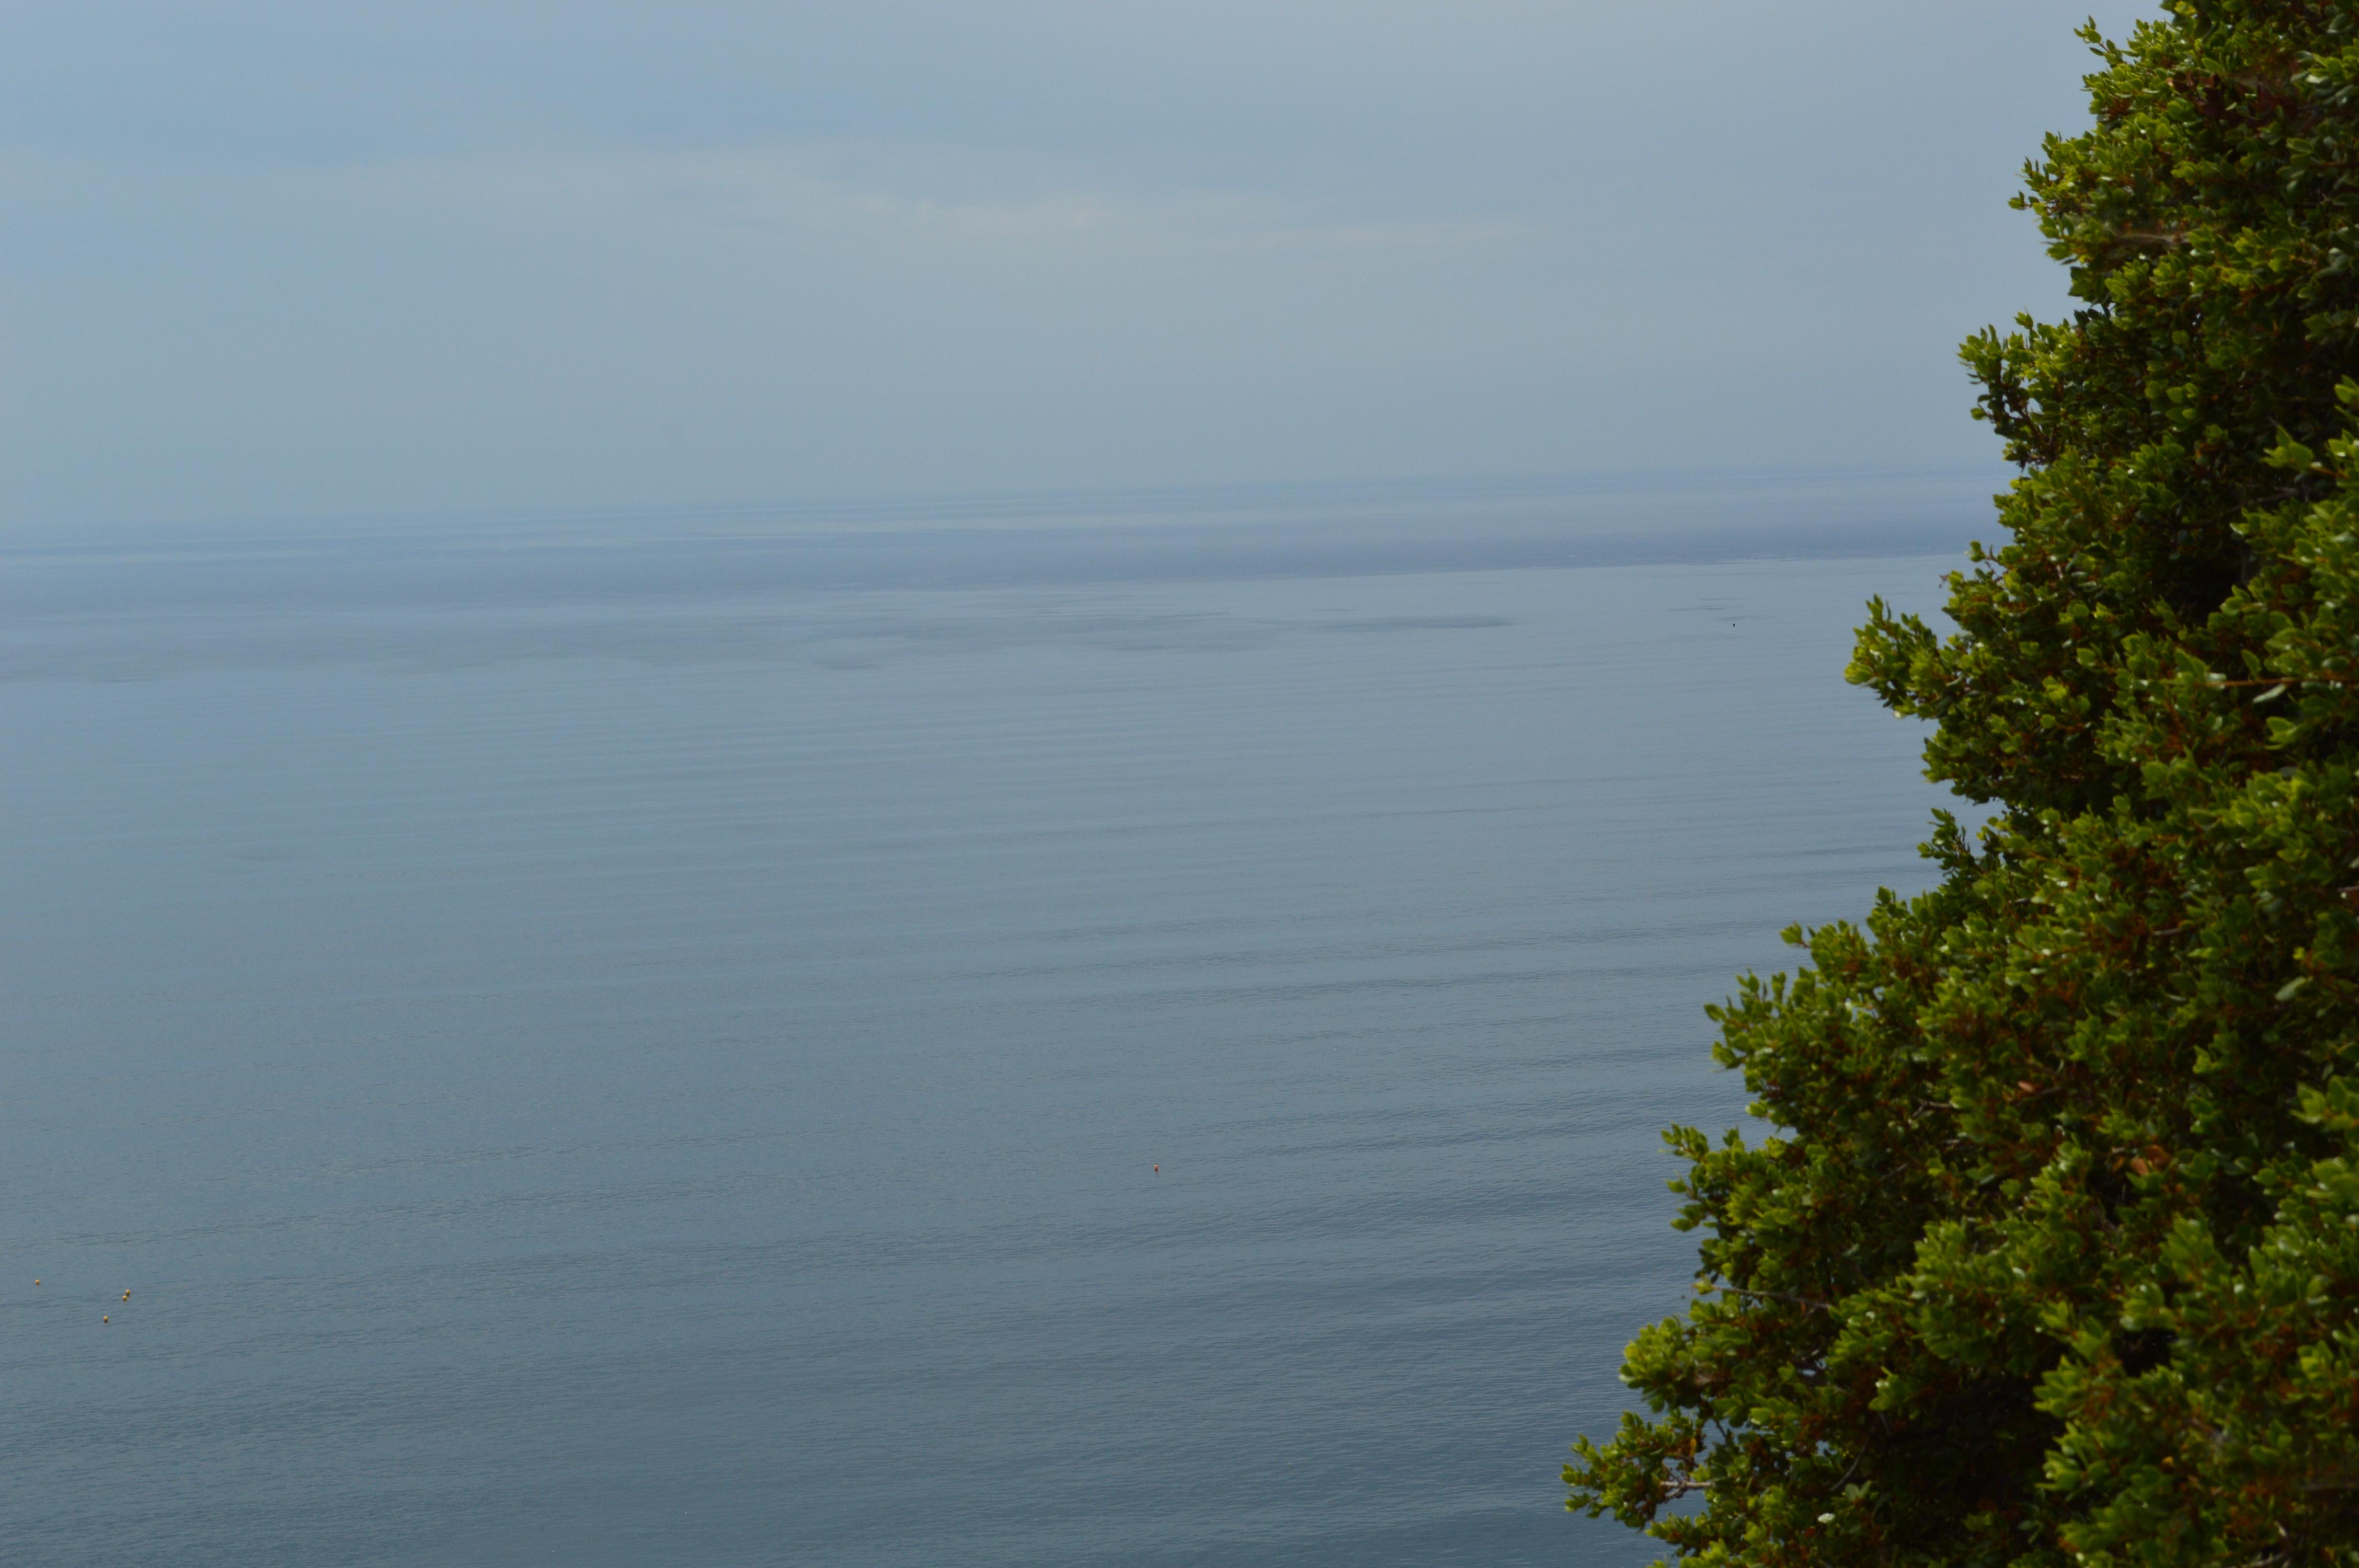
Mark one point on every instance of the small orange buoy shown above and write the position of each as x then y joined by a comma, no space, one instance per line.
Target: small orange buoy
126,1295
106,1320
1159,1170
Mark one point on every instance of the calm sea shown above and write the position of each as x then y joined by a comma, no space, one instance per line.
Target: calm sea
649,1040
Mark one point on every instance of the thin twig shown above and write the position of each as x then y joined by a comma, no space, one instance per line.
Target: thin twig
1775,1296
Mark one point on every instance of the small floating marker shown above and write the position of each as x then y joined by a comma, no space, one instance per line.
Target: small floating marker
105,1320
1159,1170
126,1295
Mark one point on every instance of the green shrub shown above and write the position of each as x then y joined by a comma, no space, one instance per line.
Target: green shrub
2054,1257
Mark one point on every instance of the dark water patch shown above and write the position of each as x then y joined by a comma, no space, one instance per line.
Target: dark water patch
833,586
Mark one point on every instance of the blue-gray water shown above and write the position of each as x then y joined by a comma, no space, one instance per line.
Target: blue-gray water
647,1041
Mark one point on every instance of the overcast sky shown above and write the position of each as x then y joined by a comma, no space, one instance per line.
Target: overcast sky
296,259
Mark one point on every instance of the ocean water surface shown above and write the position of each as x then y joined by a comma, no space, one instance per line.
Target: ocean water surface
650,1039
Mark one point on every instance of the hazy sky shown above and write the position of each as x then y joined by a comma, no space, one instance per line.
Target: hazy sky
276,259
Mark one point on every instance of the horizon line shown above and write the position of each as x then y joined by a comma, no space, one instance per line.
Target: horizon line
1054,503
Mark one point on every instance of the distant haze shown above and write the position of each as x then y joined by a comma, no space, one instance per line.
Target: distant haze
289,260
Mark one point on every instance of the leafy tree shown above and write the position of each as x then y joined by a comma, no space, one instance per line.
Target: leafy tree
2054,1257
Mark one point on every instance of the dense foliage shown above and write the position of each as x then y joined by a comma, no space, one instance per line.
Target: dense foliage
2055,1255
